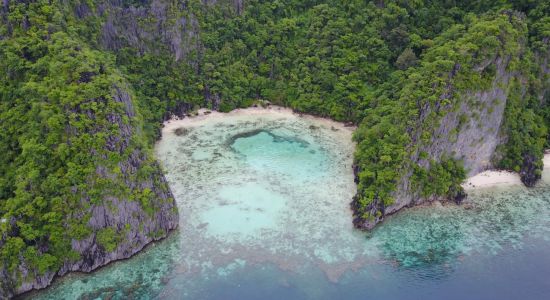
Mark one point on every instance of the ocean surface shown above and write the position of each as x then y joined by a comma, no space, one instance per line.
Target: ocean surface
264,214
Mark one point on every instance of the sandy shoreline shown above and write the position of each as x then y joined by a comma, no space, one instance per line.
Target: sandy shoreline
240,205
490,178
205,114
494,178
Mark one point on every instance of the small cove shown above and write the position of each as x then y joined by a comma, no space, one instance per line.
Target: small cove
264,211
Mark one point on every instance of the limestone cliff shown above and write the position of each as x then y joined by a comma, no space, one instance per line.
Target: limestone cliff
119,226
146,27
151,26
470,134
474,125
79,187
84,86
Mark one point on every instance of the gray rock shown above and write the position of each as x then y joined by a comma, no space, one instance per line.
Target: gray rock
135,226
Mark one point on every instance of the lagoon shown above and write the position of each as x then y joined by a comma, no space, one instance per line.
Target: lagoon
263,197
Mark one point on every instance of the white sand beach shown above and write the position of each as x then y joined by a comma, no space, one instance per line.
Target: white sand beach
205,115
489,178
493,178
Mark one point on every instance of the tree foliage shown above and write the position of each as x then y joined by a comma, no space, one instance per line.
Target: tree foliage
393,67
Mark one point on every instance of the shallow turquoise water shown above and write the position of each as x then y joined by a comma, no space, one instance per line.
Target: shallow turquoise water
264,205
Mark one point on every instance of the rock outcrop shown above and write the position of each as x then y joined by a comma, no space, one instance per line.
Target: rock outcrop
470,134
146,27
473,141
128,224
124,203
471,128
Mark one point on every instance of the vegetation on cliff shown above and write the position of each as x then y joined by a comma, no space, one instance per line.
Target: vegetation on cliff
463,58
71,142
85,86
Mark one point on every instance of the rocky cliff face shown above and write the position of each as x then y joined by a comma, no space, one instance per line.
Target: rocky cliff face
136,206
146,27
473,132
128,224
542,59
151,26
158,27
470,134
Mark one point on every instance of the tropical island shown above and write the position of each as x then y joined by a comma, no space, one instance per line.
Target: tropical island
434,92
